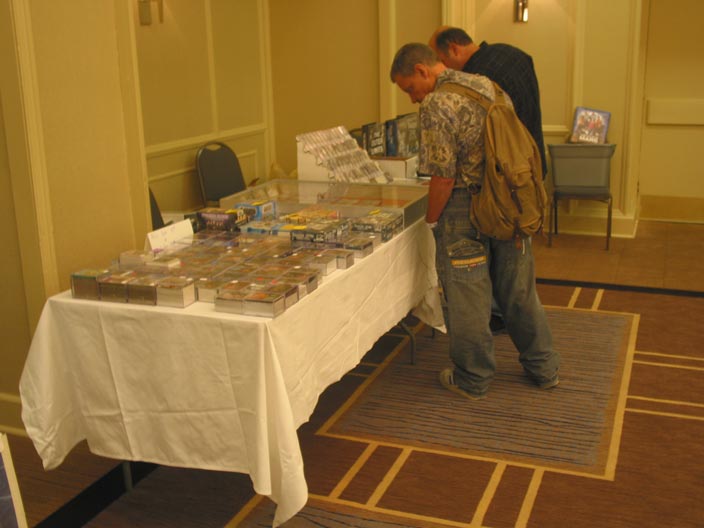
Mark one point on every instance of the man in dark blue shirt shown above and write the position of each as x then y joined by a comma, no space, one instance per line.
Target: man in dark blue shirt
506,65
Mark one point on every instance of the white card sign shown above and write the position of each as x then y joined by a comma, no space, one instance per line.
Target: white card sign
159,239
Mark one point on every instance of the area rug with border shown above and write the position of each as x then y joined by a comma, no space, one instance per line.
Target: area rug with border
574,427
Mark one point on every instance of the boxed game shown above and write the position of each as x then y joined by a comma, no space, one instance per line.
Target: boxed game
207,289
361,245
221,219
84,283
324,262
113,286
230,300
264,303
142,289
134,258
177,292
259,210
344,257
385,223
288,289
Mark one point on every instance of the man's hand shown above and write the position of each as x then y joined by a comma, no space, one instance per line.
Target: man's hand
438,195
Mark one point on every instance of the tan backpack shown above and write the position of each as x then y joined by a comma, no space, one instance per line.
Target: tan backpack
512,200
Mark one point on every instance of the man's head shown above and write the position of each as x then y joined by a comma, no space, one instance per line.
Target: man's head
415,69
453,46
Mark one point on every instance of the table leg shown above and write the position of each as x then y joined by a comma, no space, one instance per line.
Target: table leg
127,475
412,337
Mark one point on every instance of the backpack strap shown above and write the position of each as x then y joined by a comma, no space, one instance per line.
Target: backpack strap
473,94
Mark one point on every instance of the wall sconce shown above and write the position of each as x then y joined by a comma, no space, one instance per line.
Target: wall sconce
521,11
145,11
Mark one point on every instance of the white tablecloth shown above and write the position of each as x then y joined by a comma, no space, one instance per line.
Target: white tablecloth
197,388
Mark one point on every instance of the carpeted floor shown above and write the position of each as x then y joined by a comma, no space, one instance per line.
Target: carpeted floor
371,467
651,477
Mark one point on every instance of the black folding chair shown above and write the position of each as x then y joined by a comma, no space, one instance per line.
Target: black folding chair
219,172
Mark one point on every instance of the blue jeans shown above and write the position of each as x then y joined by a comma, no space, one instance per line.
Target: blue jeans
471,269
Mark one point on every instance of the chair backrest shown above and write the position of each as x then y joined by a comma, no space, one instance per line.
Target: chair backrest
157,219
219,171
581,165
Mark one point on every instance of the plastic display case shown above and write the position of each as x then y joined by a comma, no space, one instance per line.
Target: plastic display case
350,199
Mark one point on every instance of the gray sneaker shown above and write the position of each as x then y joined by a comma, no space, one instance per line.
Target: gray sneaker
447,380
550,384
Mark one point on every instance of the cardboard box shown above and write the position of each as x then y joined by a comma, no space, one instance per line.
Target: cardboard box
399,168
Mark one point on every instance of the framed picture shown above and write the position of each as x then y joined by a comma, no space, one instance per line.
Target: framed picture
11,508
590,125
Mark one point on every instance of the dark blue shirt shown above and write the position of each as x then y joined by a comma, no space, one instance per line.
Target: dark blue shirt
512,69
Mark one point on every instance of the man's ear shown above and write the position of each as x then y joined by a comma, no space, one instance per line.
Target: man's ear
422,70
453,49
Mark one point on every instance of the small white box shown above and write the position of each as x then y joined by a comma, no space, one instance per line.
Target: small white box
399,168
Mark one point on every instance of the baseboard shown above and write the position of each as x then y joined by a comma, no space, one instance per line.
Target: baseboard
11,414
588,221
672,208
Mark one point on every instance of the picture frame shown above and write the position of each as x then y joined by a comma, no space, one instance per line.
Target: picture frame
589,125
11,508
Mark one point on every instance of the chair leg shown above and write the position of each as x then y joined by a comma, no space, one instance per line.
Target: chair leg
608,224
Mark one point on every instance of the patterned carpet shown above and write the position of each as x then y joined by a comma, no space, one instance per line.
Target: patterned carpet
639,379
571,427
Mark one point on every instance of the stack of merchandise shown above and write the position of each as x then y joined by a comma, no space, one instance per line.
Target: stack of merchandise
245,271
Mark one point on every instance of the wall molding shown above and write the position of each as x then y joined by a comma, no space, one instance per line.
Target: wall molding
388,45
211,65
189,170
675,111
16,431
582,219
10,398
672,208
555,130
251,154
11,414
26,157
460,13
165,149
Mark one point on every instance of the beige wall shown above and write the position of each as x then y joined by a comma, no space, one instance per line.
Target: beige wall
14,327
330,63
325,61
74,153
672,168
204,76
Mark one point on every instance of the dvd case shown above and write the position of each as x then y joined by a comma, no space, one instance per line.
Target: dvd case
589,125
